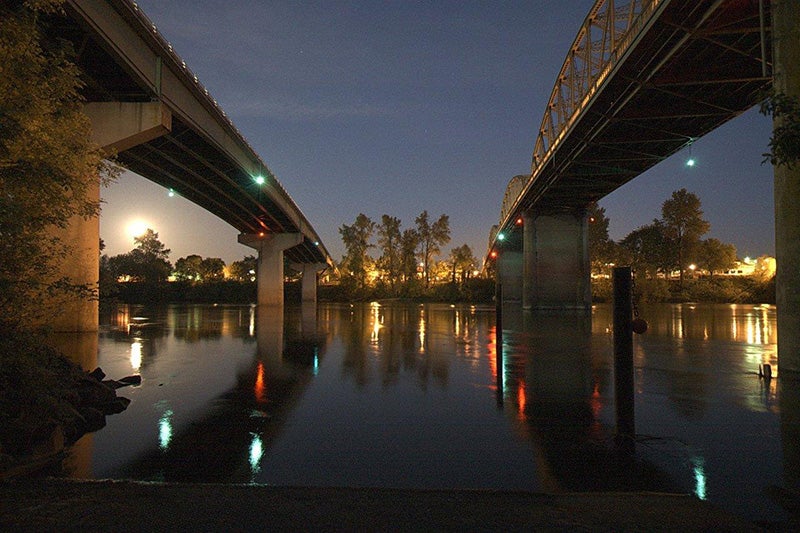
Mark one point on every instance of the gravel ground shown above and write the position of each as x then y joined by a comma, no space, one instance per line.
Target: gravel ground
62,505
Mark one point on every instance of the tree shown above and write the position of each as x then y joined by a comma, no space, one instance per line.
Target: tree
409,241
714,256
147,262
431,237
463,262
48,164
600,246
244,270
683,224
649,249
389,241
212,269
356,241
188,268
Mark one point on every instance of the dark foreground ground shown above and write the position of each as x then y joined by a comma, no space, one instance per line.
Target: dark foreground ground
59,505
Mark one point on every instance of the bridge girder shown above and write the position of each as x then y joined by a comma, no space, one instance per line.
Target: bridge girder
204,158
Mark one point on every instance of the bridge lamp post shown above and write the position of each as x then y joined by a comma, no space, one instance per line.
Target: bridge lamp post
260,180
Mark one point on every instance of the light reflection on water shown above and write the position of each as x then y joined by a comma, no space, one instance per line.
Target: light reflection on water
409,395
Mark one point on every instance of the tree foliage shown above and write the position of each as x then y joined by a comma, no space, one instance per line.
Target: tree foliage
197,269
431,237
649,249
601,248
356,238
389,244
147,262
245,269
462,262
715,256
785,141
48,165
683,223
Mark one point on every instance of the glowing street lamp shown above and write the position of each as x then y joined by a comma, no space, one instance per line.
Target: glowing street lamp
260,180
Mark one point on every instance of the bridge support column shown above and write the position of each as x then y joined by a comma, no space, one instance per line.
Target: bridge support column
269,272
786,79
115,127
509,274
556,273
309,281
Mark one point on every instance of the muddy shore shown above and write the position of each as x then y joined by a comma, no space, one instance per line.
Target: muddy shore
62,505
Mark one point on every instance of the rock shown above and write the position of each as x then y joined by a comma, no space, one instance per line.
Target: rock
51,444
132,380
94,418
117,406
97,374
93,392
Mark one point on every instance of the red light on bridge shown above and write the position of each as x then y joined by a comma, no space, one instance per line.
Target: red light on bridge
519,221
493,254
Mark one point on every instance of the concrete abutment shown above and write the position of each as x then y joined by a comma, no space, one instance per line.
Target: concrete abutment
116,126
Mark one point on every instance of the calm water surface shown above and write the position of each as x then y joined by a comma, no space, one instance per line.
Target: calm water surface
409,395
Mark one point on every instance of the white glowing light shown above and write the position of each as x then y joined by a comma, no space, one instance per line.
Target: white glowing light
136,354
165,429
136,228
256,452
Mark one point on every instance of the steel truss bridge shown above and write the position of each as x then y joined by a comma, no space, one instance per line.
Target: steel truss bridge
642,80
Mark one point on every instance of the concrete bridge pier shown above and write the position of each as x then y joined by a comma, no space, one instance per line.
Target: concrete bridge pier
309,280
116,126
556,269
269,272
786,49
509,274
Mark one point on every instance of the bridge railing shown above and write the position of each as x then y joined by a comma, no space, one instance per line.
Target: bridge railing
605,35
176,60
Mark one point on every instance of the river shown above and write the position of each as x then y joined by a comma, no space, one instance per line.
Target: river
418,395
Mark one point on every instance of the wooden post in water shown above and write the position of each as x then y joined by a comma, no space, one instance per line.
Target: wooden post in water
623,359
498,337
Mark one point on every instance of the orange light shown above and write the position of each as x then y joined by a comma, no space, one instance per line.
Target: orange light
261,234
493,255
519,221
260,389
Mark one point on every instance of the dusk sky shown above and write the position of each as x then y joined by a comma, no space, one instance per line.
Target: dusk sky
384,107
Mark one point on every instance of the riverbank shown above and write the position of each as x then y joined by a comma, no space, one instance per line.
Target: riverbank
50,505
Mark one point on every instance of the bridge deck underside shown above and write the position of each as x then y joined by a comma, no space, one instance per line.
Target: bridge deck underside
183,160
694,69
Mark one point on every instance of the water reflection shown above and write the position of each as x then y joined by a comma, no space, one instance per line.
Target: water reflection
409,395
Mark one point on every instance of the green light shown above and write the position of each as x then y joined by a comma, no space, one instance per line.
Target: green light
171,193
260,180
690,162
500,236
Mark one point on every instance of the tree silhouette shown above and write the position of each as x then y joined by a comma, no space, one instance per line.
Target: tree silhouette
684,224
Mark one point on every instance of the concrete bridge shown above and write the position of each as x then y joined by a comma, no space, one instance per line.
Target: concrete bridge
149,109
642,80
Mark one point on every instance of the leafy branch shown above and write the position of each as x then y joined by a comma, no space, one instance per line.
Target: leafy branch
785,141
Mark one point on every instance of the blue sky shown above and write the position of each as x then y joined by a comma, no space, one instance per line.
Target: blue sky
395,107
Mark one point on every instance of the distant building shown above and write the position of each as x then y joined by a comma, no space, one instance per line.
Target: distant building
763,266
